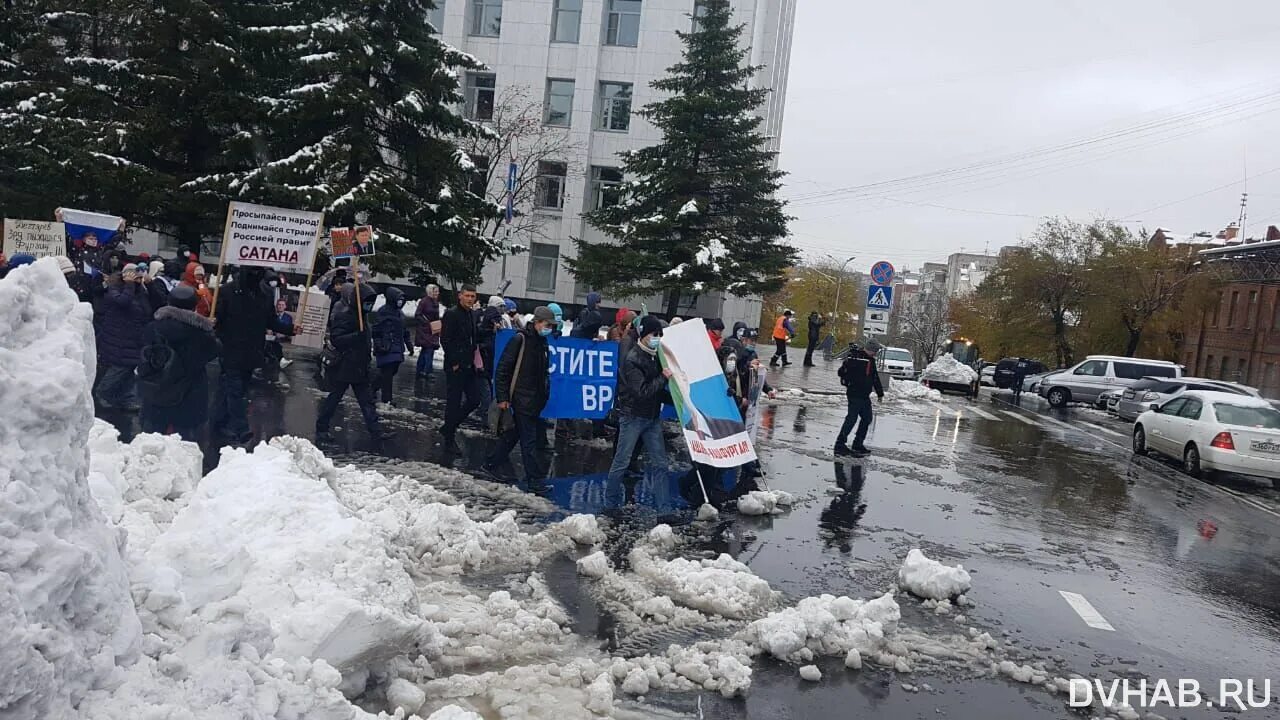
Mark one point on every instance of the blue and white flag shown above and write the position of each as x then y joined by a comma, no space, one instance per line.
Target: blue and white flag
95,229
713,427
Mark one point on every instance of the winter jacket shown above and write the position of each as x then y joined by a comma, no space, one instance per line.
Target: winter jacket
428,311
123,314
716,340
588,324
458,338
783,328
641,387
157,292
815,326
191,338
859,377
390,336
355,347
533,385
245,313
487,335
204,299
82,285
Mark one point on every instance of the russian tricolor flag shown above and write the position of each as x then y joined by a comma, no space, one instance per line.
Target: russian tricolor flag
81,222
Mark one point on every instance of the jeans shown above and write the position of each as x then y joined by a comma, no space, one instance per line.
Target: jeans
231,401
118,386
632,430
781,352
156,420
386,375
808,355
426,358
526,435
463,381
859,412
364,397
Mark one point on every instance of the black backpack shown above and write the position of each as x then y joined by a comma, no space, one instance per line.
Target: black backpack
161,376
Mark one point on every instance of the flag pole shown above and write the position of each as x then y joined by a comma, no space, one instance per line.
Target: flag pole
222,260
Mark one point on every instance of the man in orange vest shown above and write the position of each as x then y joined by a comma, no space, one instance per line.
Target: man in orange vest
783,330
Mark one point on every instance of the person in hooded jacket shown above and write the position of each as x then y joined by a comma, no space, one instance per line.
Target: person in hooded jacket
558,312
513,319
524,390
124,313
390,341
590,320
244,314
715,333
352,369
183,405
489,325
193,277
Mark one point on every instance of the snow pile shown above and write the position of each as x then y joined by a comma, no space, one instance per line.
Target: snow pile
912,390
716,666
722,586
508,626
949,370
928,578
765,502
65,607
827,626
798,396
595,565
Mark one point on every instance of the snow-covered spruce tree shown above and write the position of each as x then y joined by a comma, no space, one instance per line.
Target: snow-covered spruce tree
359,101
701,212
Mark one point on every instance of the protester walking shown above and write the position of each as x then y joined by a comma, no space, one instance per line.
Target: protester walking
173,380
461,355
642,389
244,314
350,352
859,377
816,322
523,388
590,320
390,341
193,277
490,324
427,315
783,330
123,315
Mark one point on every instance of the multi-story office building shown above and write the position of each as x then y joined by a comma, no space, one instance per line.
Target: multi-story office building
591,62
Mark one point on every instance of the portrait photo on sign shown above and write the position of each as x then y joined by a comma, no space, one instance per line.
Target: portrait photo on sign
362,244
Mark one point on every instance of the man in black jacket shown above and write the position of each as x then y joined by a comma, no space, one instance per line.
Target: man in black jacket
642,388
815,336
590,320
175,395
859,377
351,370
525,391
458,339
244,314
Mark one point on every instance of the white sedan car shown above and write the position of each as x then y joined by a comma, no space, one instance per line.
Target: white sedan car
1212,431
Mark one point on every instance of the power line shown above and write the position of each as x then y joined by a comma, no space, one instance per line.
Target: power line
1233,183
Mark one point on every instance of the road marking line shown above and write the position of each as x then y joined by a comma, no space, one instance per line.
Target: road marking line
1087,612
982,413
1103,429
1017,416
1245,499
1056,421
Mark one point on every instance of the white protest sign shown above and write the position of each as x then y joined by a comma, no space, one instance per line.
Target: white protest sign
709,417
34,237
273,237
311,320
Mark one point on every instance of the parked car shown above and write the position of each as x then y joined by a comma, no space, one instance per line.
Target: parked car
1031,383
1214,431
987,376
1007,368
1138,397
899,363
1107,400
1088,378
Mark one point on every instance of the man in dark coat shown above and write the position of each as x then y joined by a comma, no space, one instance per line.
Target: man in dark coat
181,401
591,320
244,314
123,314
427,339
815,336
458,338
859,377
525,392
352,369
642,388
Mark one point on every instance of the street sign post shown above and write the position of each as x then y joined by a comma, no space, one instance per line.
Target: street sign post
875,328
882,273
879,297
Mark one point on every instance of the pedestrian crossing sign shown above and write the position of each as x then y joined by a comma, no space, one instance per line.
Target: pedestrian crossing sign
879,297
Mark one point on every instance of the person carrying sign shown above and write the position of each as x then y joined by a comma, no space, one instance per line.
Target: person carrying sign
352,341
523,387
642,389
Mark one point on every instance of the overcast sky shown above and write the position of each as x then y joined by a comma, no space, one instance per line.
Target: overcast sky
1176,96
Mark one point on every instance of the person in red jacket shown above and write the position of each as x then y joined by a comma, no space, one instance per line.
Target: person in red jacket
715,328
193,277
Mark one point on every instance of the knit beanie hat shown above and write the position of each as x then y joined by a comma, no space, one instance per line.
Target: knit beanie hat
183,297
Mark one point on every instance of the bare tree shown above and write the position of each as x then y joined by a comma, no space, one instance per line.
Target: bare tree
925,325
518,134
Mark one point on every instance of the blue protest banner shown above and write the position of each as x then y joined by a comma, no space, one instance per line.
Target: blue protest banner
584,376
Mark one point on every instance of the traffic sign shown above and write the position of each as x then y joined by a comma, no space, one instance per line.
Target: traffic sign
875,328
878,316
879,297
882,273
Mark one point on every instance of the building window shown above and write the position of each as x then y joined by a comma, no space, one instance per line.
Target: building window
1242,375
1269,379
1216,308
480,176
1231,309
1208,366
606,185
544,259
551,182
1222,368
480,91
699,9
622,26
436,16
1190,364
486,18
558,108
615,106
566,19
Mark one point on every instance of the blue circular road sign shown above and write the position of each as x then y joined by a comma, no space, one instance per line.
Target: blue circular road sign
882,273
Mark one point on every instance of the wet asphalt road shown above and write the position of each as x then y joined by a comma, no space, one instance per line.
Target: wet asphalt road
1031,501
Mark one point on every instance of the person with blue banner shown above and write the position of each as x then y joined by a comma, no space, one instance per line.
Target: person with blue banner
522,387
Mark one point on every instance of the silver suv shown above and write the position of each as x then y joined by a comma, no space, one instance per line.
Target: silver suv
1089,378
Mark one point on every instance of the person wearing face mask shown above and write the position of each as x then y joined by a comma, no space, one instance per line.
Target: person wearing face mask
523,386
512,320
353,346
463,368
642,389
244,314
558,312
390,341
